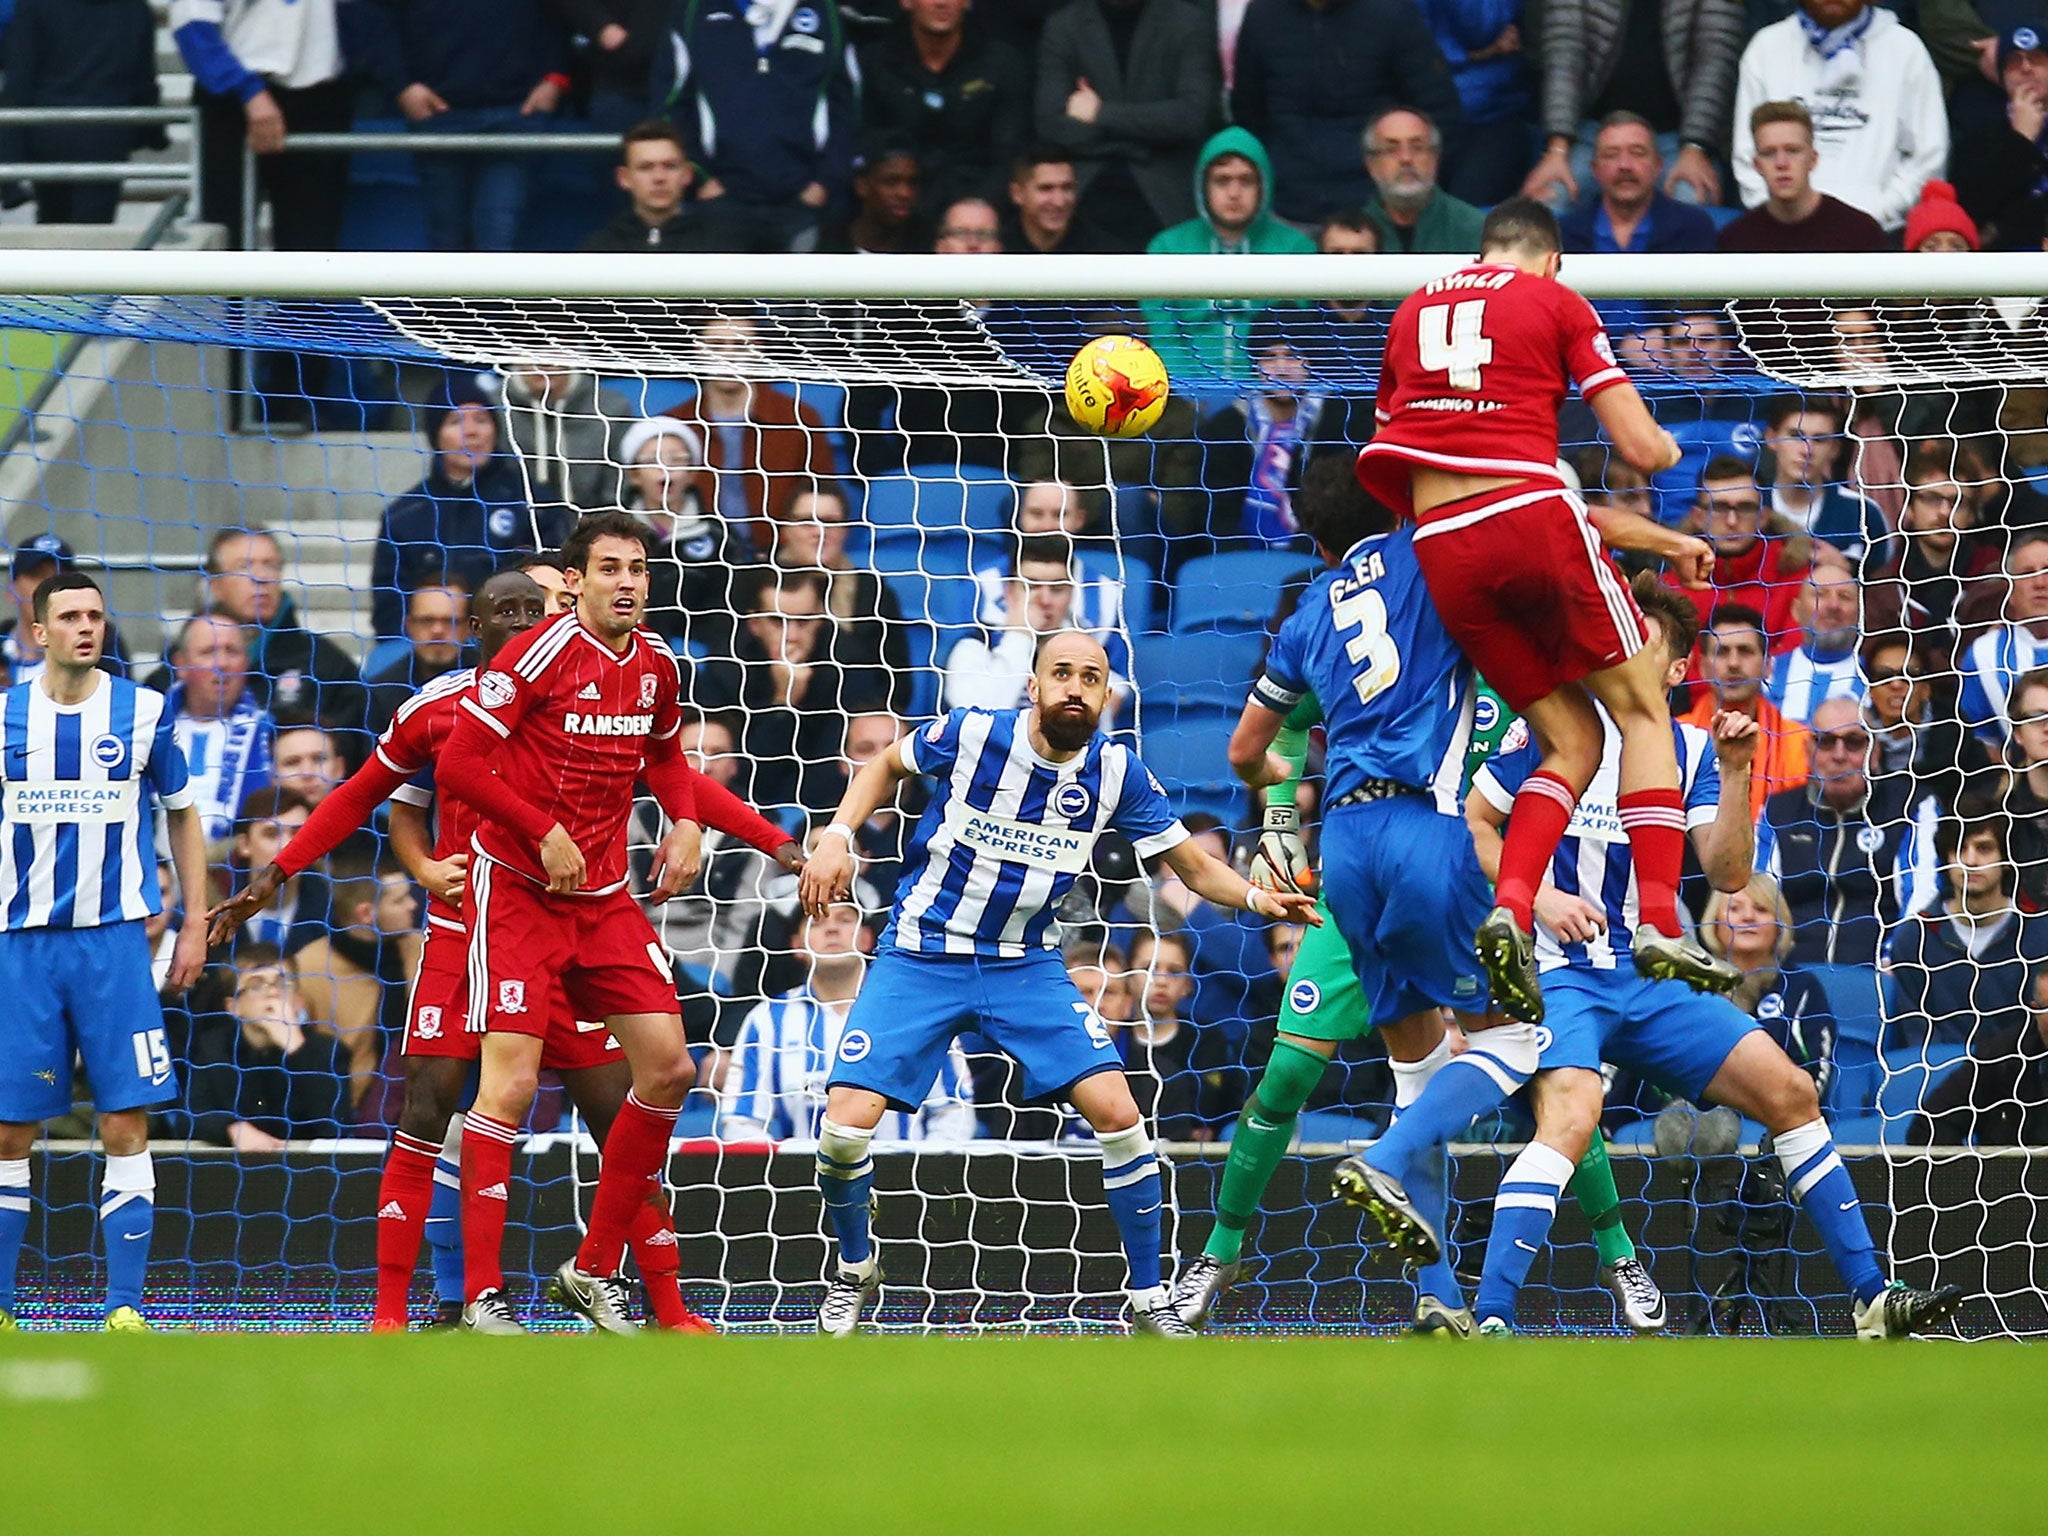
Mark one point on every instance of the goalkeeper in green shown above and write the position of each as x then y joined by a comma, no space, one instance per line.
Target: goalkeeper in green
1324,1006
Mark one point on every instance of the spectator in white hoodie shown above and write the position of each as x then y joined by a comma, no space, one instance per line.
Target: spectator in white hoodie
1879,122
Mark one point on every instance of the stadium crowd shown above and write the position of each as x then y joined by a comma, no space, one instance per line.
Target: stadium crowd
1880,599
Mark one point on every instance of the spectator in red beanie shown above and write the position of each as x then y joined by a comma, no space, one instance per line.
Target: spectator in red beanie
1938,223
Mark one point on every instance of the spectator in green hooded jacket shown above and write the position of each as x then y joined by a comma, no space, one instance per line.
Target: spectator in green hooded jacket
1207,338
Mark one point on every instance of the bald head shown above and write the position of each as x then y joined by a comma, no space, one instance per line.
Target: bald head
1069,690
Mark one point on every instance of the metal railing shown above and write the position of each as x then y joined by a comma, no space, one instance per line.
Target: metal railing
148,173
422,143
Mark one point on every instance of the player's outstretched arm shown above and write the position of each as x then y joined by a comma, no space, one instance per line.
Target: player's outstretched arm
1691,559
1633,430
333,819
188,861
828,876
1727,844
1215,881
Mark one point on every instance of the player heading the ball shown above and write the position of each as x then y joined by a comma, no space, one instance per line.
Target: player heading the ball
1019,799
1476,365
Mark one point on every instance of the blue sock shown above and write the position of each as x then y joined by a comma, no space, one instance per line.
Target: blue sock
444,1228
1499,1061
1522,1213
1130,1183
1815,1177
846,1178
127,1218
1431,1191
14,1199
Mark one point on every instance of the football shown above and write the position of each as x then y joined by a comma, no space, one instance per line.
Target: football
1117,386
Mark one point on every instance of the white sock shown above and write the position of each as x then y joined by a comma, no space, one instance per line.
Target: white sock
1411,1077
126,1178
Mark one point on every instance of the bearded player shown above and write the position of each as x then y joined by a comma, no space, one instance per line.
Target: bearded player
547,750
1476,366
973,944
438,1049
1704,1048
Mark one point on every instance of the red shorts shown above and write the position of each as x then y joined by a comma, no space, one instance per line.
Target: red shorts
1523,585
436,1022
525,942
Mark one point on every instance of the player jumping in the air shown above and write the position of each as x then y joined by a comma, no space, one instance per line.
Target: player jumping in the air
547,749
1019,801
419,1191
1325,1005
1476,365
1704,1048
83,754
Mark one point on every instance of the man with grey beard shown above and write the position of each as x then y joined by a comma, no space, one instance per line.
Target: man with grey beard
1414,215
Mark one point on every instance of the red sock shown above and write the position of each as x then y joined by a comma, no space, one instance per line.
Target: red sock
1655,822
403,1195
1543,808
635,1151
486,1177
653,1240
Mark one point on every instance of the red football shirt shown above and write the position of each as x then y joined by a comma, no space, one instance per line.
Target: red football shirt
574,719
1476,366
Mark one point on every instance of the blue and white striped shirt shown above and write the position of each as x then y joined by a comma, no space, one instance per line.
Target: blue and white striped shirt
775,1086
228,759
1800,682
1007,832
1593,858
80,834
1996,660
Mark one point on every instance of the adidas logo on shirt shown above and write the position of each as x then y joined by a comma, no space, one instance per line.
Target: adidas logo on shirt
590,691
392,1211
493,1192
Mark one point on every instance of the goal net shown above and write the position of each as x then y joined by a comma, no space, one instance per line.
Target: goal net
867,502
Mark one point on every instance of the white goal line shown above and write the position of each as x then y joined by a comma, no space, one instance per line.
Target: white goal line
1051,279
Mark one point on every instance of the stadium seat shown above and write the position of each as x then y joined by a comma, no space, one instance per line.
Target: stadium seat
1859,1131
1207,667
1853,997
1233,591
1188,750
947,497
1907,1077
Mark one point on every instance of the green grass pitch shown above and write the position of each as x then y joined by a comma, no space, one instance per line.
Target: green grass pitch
294,1436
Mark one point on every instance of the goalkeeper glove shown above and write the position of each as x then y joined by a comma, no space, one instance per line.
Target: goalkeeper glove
1281,864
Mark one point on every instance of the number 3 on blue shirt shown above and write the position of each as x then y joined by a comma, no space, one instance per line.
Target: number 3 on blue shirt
1372,648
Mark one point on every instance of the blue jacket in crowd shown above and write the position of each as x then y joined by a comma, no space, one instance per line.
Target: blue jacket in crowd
766,112
1490,90
1669,227
441,529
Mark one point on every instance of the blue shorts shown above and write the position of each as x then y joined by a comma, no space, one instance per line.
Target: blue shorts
911,1006
1404,885
1660,1030
72,992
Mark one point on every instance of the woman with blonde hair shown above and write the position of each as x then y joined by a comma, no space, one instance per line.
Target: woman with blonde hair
1753,929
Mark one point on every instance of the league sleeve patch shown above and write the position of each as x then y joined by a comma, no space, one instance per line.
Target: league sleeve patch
1517,737
494,690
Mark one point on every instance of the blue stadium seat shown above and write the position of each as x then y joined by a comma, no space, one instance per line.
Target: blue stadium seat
954,498
931,575
1638,1136
1859,1131
1207,667
1236,590
1187,749
1852,993
1907,1077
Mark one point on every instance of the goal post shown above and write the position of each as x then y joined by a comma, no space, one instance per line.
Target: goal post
921,395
